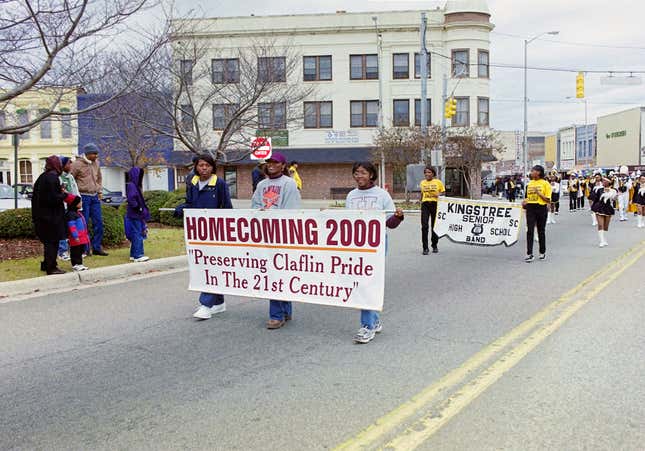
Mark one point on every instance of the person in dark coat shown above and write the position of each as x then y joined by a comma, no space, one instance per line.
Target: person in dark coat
48,213
258,174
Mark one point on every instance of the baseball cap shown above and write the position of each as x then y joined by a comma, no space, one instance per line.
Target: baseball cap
278,157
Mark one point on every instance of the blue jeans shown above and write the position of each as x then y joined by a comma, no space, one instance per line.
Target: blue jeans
136,244
278,310
62,247
92,210
210,299
369,318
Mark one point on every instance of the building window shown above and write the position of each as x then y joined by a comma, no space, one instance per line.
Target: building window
460,63
66,127
272,116
400,66
272,69
318,114
364,113
230,177
25,171
462,118
45,126
186,71
417,112
180,176
417,65
225,70
316,68
363,67
590,148
223,114
483,111
401,113
483,70
23,118
187,118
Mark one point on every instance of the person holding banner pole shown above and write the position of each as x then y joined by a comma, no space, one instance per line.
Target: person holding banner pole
277,191
538,197
206,190
368,196
431,189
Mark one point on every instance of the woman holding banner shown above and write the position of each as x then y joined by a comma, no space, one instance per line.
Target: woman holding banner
538,197
206,190
368,196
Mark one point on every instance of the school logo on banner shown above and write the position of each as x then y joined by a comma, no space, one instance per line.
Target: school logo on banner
478,222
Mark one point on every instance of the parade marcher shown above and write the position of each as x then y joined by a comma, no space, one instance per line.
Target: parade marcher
48,213
258,174
623,184
573,193
77,233
293,173
499,187
538,196
595,183
603,199
638,200
206,191
431,189
555,198
510,189
137,215
87,173
277,191
582,188
368,196
68,182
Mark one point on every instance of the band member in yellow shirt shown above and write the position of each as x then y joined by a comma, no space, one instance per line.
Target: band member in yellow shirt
538,197
431,189
293,173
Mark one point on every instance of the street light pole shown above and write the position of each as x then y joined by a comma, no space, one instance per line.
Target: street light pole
379,44
15,140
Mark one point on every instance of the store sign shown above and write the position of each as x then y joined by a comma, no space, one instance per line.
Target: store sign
279,138
619,134
341,137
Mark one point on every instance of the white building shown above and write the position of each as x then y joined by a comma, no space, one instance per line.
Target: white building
567,148
621,138
338,55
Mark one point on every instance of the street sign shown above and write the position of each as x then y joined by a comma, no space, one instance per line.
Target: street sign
261,148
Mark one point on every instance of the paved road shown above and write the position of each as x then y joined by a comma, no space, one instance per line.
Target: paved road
125,367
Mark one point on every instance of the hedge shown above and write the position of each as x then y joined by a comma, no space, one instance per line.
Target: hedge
155,200
166,217
16,224
113,231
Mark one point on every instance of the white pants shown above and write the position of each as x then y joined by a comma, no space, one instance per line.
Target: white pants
623,201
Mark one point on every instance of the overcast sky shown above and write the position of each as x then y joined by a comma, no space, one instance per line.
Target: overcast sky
600,23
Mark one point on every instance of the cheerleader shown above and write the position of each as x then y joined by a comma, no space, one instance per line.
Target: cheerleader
639,201
555,198
603,198
595,183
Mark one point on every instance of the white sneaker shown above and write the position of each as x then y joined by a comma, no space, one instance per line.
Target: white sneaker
203,312
364,335
80,268
140,259
378,327
218,309
64,256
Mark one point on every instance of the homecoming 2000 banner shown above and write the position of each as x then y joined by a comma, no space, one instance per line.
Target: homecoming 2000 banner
327,257
478,222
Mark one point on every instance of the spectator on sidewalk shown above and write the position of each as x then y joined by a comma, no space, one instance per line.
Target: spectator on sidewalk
76,231
258,174
48,213
137,215
87,172
293,173
68,182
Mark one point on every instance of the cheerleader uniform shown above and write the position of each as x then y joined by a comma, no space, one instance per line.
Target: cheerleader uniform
603,201
639,199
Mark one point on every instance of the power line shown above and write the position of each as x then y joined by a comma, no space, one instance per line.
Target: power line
578,44
563,102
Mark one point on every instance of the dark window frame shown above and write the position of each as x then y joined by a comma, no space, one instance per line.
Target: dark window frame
407,72
479,65
417,70
226,75
479,111
272,122
455,63
417,119
363,114
364,66
396,123
318,105
187,110
317,59
227,113
186,75
265,77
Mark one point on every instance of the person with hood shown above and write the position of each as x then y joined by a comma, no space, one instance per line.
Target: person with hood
87,173
76,231
48,213
137,215
68,182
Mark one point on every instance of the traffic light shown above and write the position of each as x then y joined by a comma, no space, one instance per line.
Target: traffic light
580,85
451,108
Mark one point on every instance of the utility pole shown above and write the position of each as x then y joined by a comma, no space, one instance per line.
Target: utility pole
379,46
444,97
15,140
424,86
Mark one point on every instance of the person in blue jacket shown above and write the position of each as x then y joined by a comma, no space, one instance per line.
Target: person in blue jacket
206,190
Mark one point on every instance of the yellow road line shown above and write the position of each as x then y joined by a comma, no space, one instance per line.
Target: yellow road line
426,427
395,418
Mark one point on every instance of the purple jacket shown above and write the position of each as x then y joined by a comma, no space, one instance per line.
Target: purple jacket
137,208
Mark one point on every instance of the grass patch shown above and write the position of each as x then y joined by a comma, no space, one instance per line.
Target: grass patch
160,243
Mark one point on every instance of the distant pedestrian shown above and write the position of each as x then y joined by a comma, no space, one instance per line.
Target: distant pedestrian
431,189
258,174
69,183
293,173
538,197
278,191
206,191
638,200
77,233
603,199
368,196
87,173
137,215
48,213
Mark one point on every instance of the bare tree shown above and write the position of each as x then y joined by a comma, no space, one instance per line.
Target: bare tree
220,97
62,45
401,146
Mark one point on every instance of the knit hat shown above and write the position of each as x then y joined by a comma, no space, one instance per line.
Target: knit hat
90,148
64,161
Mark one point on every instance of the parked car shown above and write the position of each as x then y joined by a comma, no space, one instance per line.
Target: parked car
7,200
26,190
113,198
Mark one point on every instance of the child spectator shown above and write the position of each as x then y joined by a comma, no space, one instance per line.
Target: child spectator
76,231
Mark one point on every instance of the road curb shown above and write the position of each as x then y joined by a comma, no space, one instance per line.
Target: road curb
46,284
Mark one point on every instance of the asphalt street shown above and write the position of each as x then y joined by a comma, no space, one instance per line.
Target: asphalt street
126,367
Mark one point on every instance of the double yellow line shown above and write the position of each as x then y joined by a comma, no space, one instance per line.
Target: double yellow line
411,424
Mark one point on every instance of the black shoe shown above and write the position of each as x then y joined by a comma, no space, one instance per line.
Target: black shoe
426,252
42,266
55,271
101,252
435,250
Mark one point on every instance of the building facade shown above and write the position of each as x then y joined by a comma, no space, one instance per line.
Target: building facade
53,136
550,151
567,148
585,146
621,138
340,59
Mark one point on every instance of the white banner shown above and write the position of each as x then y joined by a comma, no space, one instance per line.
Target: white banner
478,222
330,257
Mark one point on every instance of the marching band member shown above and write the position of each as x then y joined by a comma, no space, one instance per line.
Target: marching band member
639,200
431,189
603,199
623,185
555,198
573,192
538,197
582,188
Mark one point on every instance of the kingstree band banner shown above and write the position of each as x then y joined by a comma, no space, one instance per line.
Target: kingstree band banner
478,222
328,257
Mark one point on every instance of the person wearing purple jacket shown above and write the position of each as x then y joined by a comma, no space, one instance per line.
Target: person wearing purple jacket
137,215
